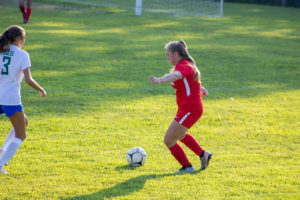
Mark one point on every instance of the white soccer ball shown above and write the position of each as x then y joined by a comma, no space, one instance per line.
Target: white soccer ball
136,156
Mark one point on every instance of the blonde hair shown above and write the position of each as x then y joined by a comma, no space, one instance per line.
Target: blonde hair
181,48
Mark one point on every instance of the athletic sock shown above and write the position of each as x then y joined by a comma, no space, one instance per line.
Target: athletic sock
22,8
191,143
179,154
8,139
10,151
202,154
27,14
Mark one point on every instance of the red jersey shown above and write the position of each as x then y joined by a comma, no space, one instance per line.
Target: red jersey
187,89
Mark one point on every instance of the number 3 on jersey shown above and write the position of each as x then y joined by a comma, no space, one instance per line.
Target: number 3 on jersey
6,61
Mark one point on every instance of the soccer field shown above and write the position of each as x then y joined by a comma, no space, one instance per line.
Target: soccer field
95,64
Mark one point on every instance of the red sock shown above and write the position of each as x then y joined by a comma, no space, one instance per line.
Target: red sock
191,143
179,154
22,8
27,14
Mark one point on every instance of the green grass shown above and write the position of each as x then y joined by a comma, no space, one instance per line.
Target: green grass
95,62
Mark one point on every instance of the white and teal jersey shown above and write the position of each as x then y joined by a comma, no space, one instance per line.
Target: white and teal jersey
12,64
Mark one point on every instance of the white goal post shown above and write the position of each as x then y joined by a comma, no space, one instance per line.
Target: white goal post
138,7
205,8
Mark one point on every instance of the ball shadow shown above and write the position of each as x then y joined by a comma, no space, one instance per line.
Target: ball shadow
125,167
125,188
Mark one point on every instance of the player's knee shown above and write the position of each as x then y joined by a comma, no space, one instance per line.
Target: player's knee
168,141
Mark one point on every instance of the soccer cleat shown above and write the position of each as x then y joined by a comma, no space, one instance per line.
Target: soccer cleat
205,159
189,168
3,171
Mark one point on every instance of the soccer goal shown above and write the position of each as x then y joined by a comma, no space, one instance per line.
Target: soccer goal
179,8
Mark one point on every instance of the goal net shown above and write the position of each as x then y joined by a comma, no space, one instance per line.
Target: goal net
204,8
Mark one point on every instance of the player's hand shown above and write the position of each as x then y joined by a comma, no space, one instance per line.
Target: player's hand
203,92
43,93
154,79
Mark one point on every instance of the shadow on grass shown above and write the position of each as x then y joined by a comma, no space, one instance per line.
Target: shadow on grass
126,187
125,167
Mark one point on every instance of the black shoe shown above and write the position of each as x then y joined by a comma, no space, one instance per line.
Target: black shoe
189,168
205,159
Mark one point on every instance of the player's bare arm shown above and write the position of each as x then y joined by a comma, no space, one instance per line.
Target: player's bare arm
174,76
30,81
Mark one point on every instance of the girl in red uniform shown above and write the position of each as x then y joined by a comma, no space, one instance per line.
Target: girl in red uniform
185,78
26,14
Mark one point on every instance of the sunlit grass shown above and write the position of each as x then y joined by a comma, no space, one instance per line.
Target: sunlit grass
95,63
54,24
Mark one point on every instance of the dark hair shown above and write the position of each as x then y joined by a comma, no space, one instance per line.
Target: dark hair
181,48
9,36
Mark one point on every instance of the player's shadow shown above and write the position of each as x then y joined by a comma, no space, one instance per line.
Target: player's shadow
124,188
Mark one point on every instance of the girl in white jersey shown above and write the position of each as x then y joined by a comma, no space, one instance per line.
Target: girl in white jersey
14,65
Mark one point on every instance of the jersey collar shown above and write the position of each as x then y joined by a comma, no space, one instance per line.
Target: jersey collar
12,46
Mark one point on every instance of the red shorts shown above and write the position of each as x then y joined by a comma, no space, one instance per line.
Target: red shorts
188,116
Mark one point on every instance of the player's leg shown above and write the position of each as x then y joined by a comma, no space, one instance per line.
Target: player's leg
7,141
28,11
188,121
176,132
18,120
22,8
192,144
10,138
